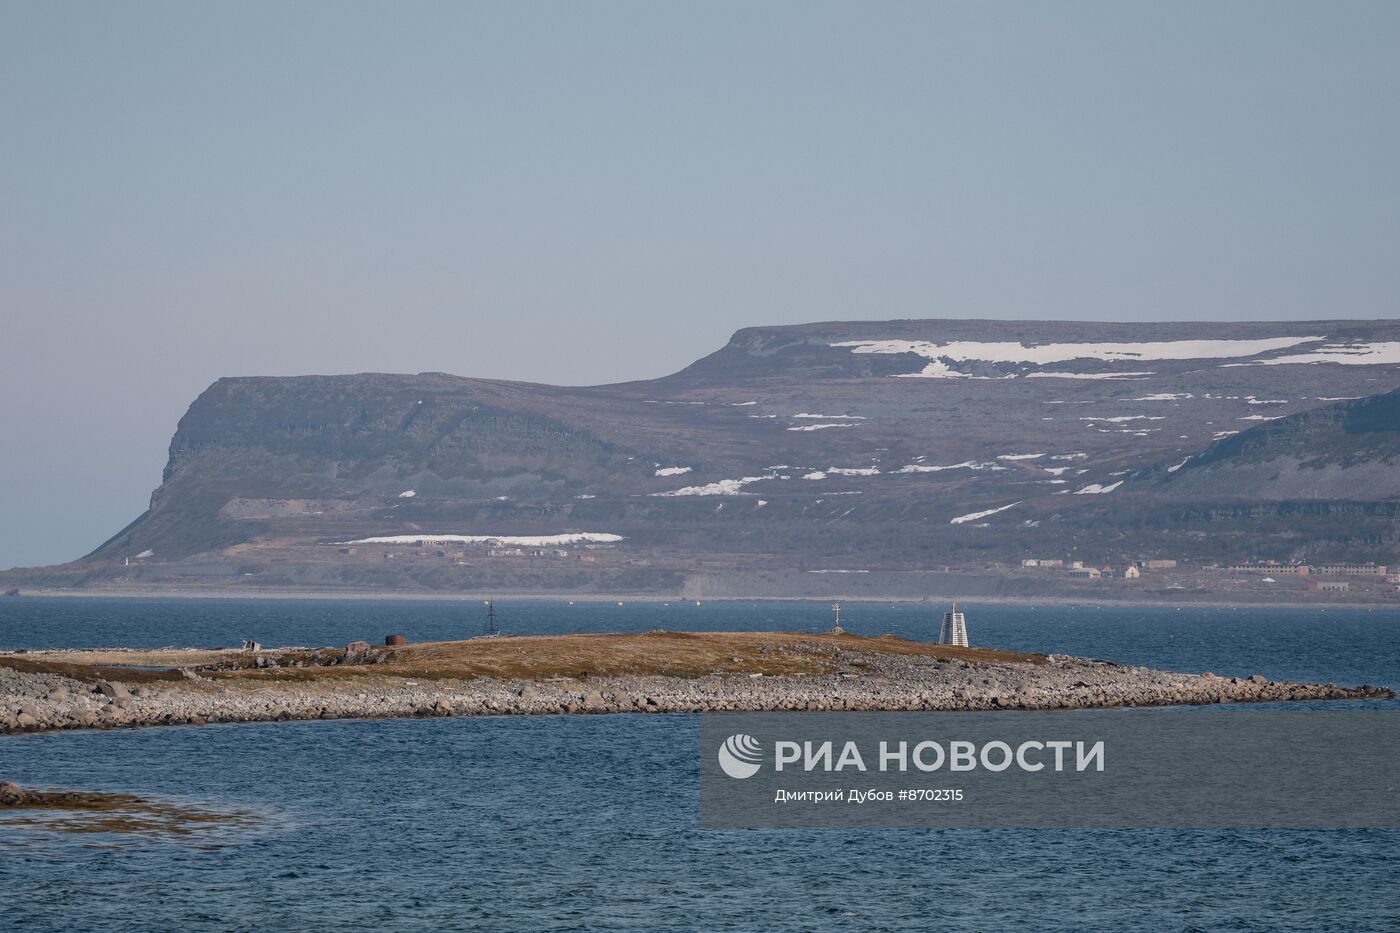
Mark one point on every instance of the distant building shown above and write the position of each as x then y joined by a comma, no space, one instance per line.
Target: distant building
1131,573
1157,564
1084,573
1329,586
1351,570
1108,572
1269,567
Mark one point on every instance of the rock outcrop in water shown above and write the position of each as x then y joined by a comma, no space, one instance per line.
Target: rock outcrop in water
99,812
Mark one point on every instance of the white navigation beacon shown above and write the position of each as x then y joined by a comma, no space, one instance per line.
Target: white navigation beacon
954,629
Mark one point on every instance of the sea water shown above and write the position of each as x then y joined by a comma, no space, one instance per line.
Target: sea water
590,822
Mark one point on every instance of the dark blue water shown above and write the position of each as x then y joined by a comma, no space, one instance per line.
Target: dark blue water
590,822
1341,645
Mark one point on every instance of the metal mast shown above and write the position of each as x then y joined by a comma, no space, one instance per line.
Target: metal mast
492,629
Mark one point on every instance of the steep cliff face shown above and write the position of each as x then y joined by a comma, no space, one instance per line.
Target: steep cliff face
343,443
358,435
895,445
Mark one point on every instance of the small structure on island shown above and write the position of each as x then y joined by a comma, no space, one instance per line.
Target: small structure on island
836,628
395,641
492,629
954,628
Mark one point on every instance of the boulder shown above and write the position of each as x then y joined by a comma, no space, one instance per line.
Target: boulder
113,689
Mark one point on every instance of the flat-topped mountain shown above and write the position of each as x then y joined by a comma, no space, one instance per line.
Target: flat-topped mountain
798,453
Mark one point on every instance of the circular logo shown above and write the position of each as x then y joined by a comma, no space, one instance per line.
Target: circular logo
740,756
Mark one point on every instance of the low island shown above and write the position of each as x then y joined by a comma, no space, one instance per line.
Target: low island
653,672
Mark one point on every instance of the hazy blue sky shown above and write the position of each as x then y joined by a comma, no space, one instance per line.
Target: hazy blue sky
589,192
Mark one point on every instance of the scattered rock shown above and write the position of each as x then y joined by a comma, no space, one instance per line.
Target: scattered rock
112,689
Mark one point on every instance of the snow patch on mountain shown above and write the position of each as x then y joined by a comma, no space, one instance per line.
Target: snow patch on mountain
974,516
939,354
1347,354
581,537
724,487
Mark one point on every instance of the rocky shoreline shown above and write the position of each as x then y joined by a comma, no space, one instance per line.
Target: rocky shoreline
865,681
78,811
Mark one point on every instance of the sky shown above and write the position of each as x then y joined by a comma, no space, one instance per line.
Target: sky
590,192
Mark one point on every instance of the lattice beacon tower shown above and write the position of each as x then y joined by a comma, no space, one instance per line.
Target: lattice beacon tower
954,629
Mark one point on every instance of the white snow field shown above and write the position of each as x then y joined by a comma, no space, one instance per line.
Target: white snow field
580,537
973,516
1014,352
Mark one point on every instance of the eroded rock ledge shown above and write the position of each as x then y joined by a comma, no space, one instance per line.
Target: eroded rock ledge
78,811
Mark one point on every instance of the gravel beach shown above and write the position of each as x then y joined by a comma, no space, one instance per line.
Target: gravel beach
38,692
